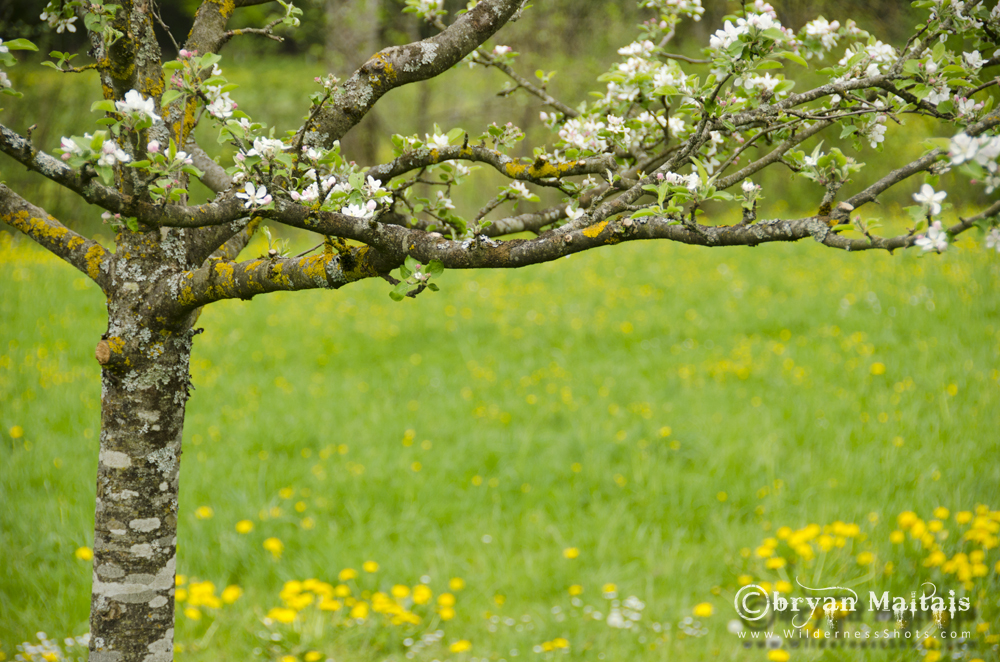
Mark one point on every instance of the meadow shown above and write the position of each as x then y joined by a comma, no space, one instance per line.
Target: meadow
585,458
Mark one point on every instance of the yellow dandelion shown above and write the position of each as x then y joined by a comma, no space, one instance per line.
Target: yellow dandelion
609,588
286,492
400,591
878,368
963,517
308,523
329,604
16,432
446,600
907,519
231,594
865,558
499,599
360,610
288,658
181,594
778,656
575,589
932,656
456,583
204,512
244,526
776,563
782,586
560,642
84,553
313,656
347,574
941,512
274,546
460,646
703,610
193,613
744,580
897,537
447,613
422,594
571,552
369,566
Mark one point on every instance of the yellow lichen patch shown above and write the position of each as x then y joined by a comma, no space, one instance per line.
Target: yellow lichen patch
36,228
116,344
314,267
250,266
222,279
538,170
276,275
595,229
361,267
93,258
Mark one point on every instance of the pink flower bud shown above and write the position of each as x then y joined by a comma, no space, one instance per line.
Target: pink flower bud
153,147
371,205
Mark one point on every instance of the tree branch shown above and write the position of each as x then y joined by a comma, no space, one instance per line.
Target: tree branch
540,172
85,254
401,65
222,279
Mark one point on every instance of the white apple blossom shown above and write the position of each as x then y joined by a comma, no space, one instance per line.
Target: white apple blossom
3,49
825,31
135,105
68,145
111,153
520,189
153,147
880,52
266,148
930,199
437,140
443,201
726,37
936,238
222,107
993,239
502,50
676,126
963,148
573,213
974,60
254,195
373,185
4,79
748,186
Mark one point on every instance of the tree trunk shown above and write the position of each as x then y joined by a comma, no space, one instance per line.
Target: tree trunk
145,381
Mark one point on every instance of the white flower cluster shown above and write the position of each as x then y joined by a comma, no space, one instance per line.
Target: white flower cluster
137,107
935,240
730,34
221,105
584,134
266,148
625,616
982,150
690,8
692,181
255,196
826,32
53,15
111,154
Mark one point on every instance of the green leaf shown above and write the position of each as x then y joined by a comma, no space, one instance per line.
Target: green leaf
51,65
648,211
768,64
433,287
106,105
794,57
169,96
395,296
20,45
138,164
435,268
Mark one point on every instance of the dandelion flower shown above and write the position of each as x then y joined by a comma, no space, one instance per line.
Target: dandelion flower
460,646
571,552
456,583
274,546
244,526
347,574
204,512
703,610
84,553
369,566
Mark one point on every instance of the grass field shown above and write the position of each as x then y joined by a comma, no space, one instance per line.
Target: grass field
644,416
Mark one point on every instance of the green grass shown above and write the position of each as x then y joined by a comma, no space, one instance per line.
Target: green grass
604,402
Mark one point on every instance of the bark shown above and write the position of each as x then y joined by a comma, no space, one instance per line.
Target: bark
145,379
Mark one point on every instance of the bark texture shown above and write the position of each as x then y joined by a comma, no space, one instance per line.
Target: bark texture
144,357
